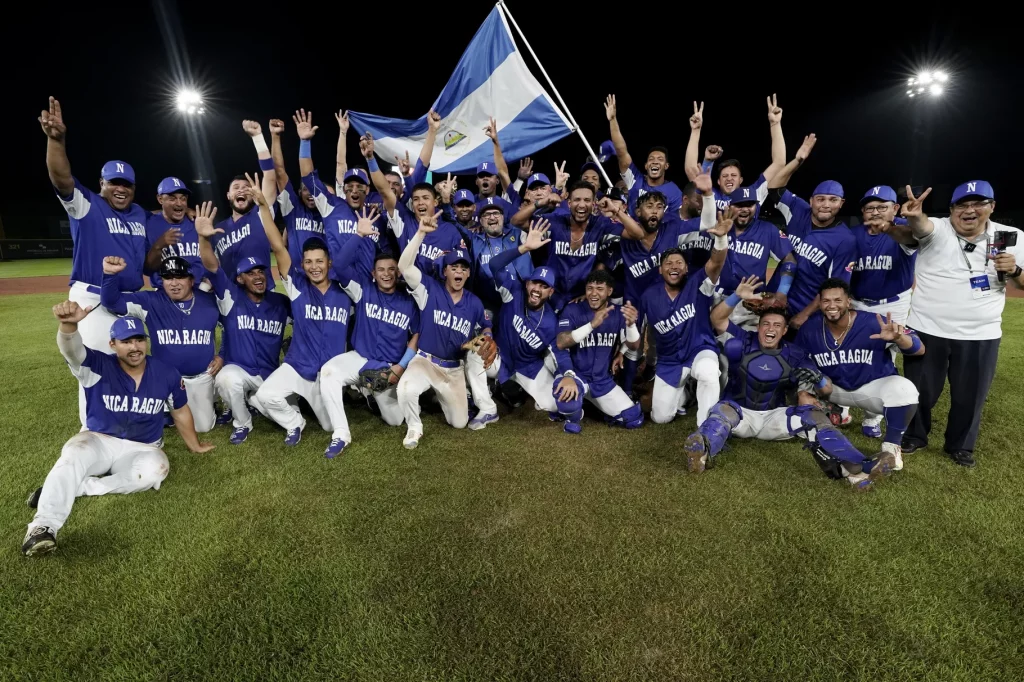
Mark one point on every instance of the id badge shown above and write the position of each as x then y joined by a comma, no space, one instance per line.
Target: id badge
980,287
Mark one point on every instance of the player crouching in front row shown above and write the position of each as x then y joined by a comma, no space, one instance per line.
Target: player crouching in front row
125,396
763,368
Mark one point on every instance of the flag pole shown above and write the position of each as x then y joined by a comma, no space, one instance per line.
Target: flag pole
568,114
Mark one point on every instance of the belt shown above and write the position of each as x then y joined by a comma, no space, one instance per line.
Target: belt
879,301
440,362
91,288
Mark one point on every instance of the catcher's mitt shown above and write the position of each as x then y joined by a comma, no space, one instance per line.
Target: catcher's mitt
484,346
376,380
832,411
757,305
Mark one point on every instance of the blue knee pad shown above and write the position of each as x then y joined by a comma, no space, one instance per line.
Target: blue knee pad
829,446
717,428
571,407
632,418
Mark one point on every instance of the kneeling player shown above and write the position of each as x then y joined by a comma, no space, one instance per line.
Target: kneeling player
527,334
593,330
119,450
762,369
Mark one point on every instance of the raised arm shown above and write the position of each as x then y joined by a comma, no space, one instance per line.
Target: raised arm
781,179
277,154
341,156
380,182
433,126
57,165
205,229
284,261
920,225
522,217
407,262
745,291
491,131
69,341
630,228
713,268
255,131
155,255
306,130
778,140
693,145
619,142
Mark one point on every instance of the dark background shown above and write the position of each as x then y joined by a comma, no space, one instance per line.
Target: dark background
842,77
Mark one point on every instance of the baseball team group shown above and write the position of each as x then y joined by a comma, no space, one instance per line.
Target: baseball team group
545,288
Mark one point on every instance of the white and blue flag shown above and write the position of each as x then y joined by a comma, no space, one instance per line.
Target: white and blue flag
490,80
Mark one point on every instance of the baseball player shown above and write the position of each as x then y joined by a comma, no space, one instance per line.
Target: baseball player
763,367
253,320
464,204
101,224
320,311
449,316
241,234
527,333
653,177
302,216
182,322
678,312
593,329
384,338
119,450
883,272
171,232
852,349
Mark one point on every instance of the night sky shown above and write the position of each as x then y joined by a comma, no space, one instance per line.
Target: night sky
842,77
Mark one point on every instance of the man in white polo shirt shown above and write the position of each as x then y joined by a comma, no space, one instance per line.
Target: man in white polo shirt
957,310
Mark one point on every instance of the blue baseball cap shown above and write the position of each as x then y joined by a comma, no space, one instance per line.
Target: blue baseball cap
464,195
745,195
484,208
118,170
879,193
605,151
356,174
973,188
485,168
172,185
456,256
829,187
543,274
250,263
590,165
535,179
127,327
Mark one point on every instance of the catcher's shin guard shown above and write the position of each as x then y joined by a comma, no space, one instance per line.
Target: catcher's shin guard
633,418
716,429
831,449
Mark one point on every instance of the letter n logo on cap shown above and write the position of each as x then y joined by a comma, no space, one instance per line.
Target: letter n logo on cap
252,261
971,186
485,165
177,183
543,272
120,168
876,190
746,193
131,323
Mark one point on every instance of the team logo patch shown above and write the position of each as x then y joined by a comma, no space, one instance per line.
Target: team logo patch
455,141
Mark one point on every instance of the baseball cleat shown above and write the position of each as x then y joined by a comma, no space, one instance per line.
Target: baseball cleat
335,448
871,430
39,541
884,464
412,439
293,437
224,417
696,449
482,420
33,498
572,427
897,454
239,435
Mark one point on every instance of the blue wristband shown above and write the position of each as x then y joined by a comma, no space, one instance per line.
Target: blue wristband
785,283
915,345
733,300
371,163
822,383
266,165
407,358
304,150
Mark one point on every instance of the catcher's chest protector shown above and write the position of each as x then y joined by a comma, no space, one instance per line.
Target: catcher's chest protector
764,377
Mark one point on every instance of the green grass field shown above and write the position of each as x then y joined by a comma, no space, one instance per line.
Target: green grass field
35,268
514,553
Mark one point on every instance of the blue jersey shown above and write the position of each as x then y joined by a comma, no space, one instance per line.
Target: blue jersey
759,379
697,246
637,185
181,333
508,207
484,248
446,325
641,264
300,222
115,407
883,268
572,261
435,244
319,323
253,332
750,251
339,226
682,326
243,237
821,252
525,336
97,231
857,359
383,322
187,248
759,190
592,357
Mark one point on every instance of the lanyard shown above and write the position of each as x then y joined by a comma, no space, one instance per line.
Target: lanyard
963,254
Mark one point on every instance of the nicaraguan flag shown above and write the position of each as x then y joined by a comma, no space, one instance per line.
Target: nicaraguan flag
491,80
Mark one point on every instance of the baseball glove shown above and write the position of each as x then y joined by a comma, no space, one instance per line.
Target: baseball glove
376,380
832,411
484,346
757,305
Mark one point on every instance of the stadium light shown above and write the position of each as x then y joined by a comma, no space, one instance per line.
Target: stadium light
190,102
926,81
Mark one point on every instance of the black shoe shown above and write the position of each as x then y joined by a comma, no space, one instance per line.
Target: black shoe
42,540
910,446
963,458
33,499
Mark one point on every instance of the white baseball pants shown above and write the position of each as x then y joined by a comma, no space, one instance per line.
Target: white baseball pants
234,386
666,400
278,399
341,371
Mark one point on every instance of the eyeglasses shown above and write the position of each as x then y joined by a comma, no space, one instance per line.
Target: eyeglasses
971,205
876,209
